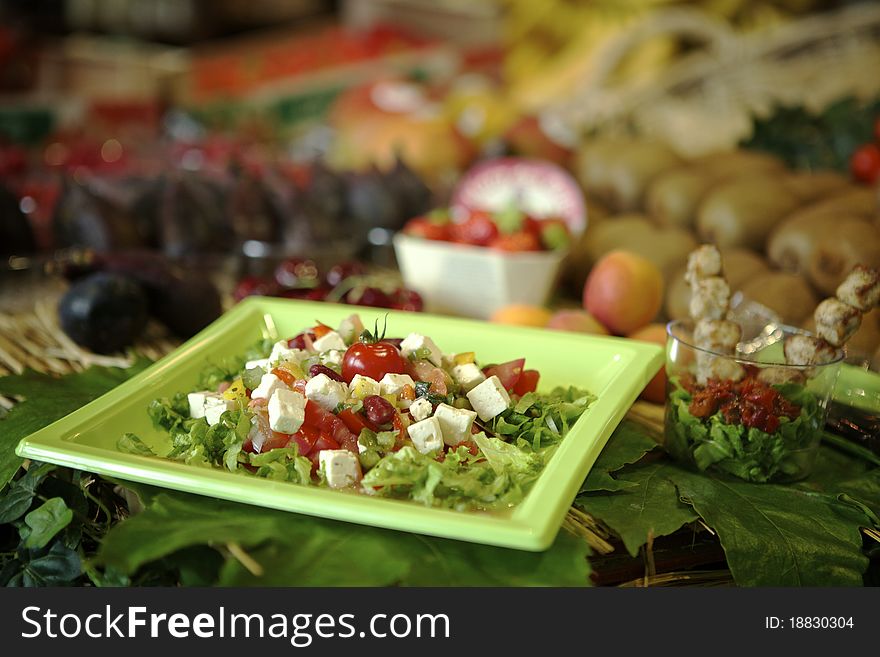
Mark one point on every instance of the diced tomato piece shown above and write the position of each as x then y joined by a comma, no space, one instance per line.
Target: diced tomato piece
508,373
428,229
305,439
330,425
479,229
287,377
423,370
355,421
275,441
399,425
528,382
325,442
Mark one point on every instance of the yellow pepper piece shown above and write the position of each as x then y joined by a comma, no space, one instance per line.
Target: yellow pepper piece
235,391
465,358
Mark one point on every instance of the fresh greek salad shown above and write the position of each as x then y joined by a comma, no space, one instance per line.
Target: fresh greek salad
348,408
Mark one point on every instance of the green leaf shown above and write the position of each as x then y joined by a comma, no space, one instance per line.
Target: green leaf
49,398
132,444
628,444
57,567
300,550
46,521
779,535
16,500
650,507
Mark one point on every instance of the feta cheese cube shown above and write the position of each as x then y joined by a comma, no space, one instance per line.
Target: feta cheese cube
197,403
331,340
427,436
215,406
351,328
489,398
363,386
468,376
340,467
326,392
415,342
262,363
332,358
392,384
421,409
287,411
269,383
281,353
455,423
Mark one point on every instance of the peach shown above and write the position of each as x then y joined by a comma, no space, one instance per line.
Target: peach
522,315
577,321
624,291
655,391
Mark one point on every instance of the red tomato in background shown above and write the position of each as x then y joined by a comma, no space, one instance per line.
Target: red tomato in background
528,382
865,164
519,241
374,360
508,373
427,229
479,229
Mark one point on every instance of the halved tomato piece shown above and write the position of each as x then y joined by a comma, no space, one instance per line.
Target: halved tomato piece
508,373
528,382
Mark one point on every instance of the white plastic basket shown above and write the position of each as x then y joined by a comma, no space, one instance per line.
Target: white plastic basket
473,281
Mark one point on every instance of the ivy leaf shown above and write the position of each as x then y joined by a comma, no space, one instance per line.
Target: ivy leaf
16,500
628,444
779,535
46,521
49,398
56,567
300,550
650,507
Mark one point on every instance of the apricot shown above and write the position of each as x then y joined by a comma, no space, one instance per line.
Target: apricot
655,391
522,315
576,321
624,291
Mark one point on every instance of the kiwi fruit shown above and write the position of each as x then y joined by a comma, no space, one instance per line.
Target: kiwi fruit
842,245
737,163
810,186
618,172
789,295
672,197
678,296
792,242
742,212
741,266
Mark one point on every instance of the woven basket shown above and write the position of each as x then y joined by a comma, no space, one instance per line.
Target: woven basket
706,100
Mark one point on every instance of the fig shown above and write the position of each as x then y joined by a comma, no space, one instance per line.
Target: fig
16,237
412,194
370,203
104,312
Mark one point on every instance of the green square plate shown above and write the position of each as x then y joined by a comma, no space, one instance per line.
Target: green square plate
613,369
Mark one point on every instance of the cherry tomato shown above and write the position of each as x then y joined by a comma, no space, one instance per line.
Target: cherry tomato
519,241
865,164
479,229
427,229
374,360
528,382
508,373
